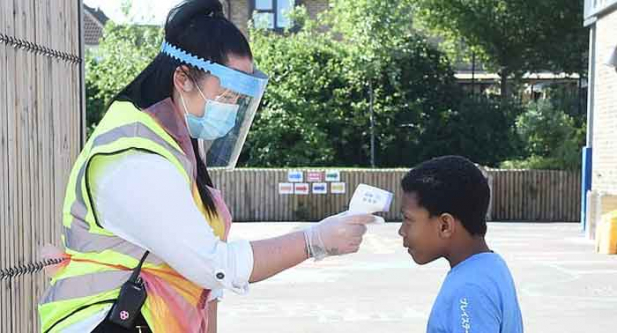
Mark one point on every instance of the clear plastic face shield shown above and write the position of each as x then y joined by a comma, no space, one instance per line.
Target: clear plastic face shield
233,110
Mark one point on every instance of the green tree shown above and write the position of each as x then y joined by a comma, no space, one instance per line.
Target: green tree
512,36
305,98
484,130
552,139
370,29
372,32
124,52
95,107
315,112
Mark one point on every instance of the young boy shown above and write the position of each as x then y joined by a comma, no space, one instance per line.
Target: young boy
444,207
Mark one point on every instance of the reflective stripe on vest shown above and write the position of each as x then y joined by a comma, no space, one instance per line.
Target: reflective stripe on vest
78,208
85,285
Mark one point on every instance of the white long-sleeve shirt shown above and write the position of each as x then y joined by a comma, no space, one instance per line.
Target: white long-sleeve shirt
143,199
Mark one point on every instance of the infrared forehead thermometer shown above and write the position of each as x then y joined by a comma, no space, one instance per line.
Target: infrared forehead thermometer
368,200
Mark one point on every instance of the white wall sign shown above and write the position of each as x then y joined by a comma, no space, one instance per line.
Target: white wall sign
320,188
286,188
301,188
338,188
333,176
295,176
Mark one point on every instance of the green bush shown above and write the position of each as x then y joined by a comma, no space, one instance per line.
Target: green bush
551,138
485,130
316,110
305,97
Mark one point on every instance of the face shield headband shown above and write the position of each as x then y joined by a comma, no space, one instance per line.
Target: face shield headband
252,85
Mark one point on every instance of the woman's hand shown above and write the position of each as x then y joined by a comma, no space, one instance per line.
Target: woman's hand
336,235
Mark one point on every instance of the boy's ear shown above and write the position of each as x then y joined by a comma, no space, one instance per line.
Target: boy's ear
447,225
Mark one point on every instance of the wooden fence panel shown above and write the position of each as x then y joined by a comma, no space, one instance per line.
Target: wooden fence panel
517,195
40,131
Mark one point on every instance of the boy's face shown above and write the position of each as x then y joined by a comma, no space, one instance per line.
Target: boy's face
420,231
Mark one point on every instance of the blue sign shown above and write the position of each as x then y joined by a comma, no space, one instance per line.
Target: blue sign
320,188
295,176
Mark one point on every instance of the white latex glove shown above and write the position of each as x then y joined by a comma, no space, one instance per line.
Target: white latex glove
337,235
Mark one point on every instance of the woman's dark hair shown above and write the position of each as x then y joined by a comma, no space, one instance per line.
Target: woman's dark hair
200,28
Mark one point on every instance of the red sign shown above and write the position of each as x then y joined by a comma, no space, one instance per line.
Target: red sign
301,188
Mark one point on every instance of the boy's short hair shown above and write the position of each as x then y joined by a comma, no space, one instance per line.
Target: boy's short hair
454,185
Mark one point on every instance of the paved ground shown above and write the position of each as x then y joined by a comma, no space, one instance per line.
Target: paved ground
563,285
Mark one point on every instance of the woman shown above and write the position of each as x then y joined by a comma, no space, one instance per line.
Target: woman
140,193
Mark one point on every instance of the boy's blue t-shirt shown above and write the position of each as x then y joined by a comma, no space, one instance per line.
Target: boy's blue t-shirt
478,296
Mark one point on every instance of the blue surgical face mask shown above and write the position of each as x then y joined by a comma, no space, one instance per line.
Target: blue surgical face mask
217,121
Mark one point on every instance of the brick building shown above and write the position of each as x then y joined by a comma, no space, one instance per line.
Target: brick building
600,156
270,13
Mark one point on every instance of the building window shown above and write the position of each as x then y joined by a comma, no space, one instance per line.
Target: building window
272,14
